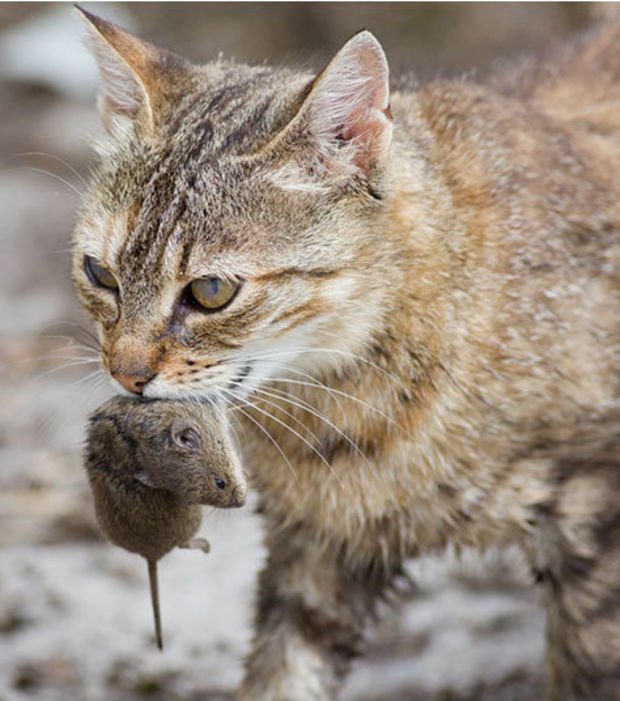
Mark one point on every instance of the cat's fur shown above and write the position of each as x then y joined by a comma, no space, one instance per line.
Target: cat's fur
428,326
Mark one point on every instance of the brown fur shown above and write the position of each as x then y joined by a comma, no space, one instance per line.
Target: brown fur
427,330
150,466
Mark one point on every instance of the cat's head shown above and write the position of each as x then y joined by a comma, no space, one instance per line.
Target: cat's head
233,222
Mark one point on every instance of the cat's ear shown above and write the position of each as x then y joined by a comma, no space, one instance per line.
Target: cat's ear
346,115
137,77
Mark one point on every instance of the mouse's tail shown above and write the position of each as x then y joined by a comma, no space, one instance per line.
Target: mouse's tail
153,583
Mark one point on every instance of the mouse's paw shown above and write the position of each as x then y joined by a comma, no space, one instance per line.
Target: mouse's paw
197,544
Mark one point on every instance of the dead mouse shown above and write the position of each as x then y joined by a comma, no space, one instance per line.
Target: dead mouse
150,466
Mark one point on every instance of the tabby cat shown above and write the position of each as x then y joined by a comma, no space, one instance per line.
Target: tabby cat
412,302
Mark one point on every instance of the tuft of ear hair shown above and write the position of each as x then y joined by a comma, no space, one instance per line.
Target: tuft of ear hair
138,78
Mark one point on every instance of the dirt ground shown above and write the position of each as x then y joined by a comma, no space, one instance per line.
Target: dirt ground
75,621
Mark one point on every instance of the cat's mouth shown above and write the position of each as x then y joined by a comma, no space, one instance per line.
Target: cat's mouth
231,388
237,388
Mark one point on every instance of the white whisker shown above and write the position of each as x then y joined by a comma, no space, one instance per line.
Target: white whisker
64,367
286,412
306,349
291,399
86,378
270,437
75,172
286,380
285,425
56,177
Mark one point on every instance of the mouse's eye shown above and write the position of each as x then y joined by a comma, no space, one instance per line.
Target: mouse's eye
220,483
186,437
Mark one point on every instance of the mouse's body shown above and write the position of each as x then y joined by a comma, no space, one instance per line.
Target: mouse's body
151,465
142,519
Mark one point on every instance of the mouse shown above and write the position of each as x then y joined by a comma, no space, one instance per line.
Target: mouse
151,466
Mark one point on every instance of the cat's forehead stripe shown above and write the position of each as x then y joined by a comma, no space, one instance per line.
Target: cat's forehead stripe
228,114
147,246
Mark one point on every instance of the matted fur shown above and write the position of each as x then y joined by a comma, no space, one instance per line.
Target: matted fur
425,348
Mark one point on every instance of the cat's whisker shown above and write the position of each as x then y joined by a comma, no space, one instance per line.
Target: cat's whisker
72,343
85,356
346,395
66,366
54,157
291,399
292,430
286,412
315,381
305,349
84,379
76,394
267,433
289,395
364,360
74,348
54,357
55,176
308,376
72,324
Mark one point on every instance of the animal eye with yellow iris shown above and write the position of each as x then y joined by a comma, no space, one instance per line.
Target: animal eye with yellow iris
212,293
99,275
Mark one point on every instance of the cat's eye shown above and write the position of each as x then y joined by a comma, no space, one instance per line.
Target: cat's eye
213,293
99,275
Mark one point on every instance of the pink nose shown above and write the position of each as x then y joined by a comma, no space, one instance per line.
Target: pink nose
134,383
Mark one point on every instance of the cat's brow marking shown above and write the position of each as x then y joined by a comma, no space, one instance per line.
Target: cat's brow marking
298,272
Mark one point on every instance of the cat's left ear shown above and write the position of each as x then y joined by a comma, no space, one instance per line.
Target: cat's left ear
346,114
139,79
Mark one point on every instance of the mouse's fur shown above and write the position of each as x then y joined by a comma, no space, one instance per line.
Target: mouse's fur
150,466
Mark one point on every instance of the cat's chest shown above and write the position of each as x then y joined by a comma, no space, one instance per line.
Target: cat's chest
353,474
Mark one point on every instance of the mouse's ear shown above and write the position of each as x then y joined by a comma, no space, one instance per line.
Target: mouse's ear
185,435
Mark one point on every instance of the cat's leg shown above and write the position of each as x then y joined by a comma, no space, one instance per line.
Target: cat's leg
579,566
311,615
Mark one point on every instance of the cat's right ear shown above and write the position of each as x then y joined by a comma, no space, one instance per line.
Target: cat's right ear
344,124
138,78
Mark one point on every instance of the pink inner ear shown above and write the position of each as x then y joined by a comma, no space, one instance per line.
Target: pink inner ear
370,127
351,101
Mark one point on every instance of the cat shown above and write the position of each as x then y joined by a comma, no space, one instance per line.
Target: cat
411,302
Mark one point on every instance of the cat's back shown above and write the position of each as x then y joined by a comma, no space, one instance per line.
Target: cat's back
578,84
528,167
532,113
536,148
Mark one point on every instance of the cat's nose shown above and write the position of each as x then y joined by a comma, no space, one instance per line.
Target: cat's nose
134,383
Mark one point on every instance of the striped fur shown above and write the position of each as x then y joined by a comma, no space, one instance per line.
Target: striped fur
425,349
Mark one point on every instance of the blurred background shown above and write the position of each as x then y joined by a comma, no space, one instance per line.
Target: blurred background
75,620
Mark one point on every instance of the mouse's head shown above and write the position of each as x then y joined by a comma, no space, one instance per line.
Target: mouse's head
186,449
198,460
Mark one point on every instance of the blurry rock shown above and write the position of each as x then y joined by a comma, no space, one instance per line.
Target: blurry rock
13,617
